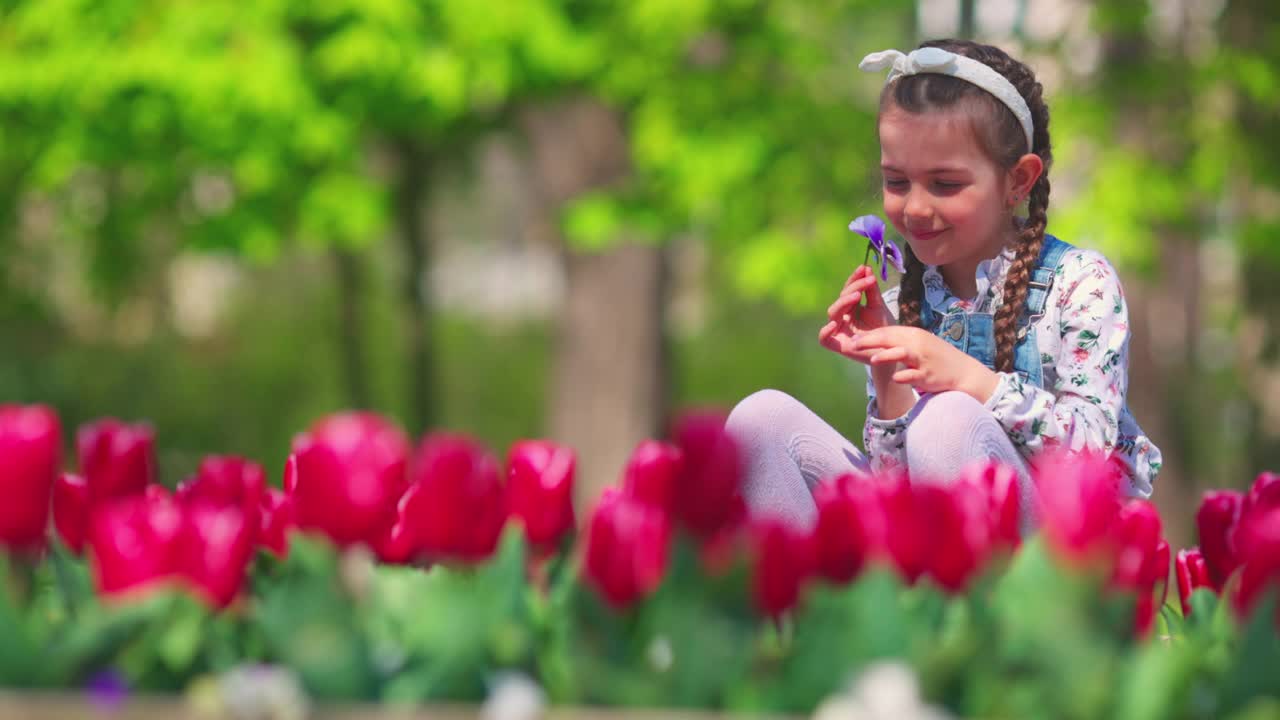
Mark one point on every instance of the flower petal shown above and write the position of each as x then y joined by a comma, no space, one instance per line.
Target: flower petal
871,227
894,256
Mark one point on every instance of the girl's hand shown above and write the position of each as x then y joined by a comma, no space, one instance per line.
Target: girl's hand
848,318
929,363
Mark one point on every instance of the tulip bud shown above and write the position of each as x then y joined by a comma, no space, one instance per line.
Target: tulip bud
133,543
905,537
350,475
456,505
1079,496
784,561
275,519
30,456
627,547
652,472
708,489
847,504
1258,544
214,550
955,521
1001,486
1216,520
228,481
116,459
1192,574
540,485
71,510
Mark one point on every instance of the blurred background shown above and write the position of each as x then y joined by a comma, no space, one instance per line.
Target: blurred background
572,218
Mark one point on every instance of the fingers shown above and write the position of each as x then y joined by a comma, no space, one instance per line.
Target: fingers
850,297
891,355
909,376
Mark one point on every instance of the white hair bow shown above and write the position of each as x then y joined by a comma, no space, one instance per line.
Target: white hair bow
944,62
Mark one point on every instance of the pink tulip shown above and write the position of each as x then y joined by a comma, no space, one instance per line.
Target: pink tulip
1192,574
1216,520
708,490
30,457
116,459
784,561
456,505
1079,495
627,547
652,473
350,473
71,510
848,521
540,484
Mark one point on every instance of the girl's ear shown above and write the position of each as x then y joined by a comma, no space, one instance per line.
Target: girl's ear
1023,175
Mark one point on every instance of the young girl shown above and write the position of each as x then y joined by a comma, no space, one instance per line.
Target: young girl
1000,341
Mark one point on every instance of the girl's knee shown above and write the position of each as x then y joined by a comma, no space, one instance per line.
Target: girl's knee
759,410
950,406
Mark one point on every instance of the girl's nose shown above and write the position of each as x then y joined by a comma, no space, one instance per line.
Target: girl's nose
917,205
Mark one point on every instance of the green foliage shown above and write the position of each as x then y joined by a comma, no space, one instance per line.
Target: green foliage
1032,638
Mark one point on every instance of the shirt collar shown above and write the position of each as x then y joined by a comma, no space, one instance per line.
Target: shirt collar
990,279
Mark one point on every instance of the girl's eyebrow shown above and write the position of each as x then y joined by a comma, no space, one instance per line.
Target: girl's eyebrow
931,171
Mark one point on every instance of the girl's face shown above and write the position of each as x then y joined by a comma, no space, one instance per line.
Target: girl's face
941,192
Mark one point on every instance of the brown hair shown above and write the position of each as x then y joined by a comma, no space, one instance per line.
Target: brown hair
1003,140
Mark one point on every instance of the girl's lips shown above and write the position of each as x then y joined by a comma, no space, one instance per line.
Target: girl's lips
926,235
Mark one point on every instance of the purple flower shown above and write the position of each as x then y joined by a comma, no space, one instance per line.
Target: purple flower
872,228
107,690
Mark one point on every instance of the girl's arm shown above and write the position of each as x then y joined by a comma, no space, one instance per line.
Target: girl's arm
1084,407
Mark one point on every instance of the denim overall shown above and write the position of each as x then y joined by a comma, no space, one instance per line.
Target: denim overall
973,333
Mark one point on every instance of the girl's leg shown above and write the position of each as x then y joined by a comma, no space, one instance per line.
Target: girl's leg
787,450
951,430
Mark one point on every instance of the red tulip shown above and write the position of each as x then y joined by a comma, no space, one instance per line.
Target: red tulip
228,481
708,490
213,551
848,518
652,473
71,510
350,475
456,505
1192,574
540,485
133,542
784,561
30,456
116,459
275,519
1137,536
627,546
1160,572
1258,544
1216,520
1004,508
290,480
1264,494
958,524
1079,496
904,537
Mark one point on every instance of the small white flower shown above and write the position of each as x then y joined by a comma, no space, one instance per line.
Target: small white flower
513,696
883,691
660,654
262,692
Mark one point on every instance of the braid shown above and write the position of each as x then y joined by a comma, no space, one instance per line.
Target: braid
1005,142
1014,299
910,289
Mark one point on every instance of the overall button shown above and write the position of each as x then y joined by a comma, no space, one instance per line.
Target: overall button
956,331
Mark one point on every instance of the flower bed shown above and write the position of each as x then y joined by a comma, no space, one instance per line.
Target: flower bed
384,571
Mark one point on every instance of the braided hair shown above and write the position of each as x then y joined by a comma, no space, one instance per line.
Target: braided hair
1003,140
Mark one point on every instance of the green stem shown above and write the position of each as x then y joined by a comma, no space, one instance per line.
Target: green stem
62,576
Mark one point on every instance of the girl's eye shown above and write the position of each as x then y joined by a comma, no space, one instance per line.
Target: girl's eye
895,183
948,186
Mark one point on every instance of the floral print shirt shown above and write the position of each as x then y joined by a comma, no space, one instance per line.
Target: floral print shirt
1083,338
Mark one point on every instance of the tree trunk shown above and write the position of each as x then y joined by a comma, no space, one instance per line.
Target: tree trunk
609,383
351,347
412,198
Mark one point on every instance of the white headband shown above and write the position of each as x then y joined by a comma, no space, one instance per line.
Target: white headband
943,62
